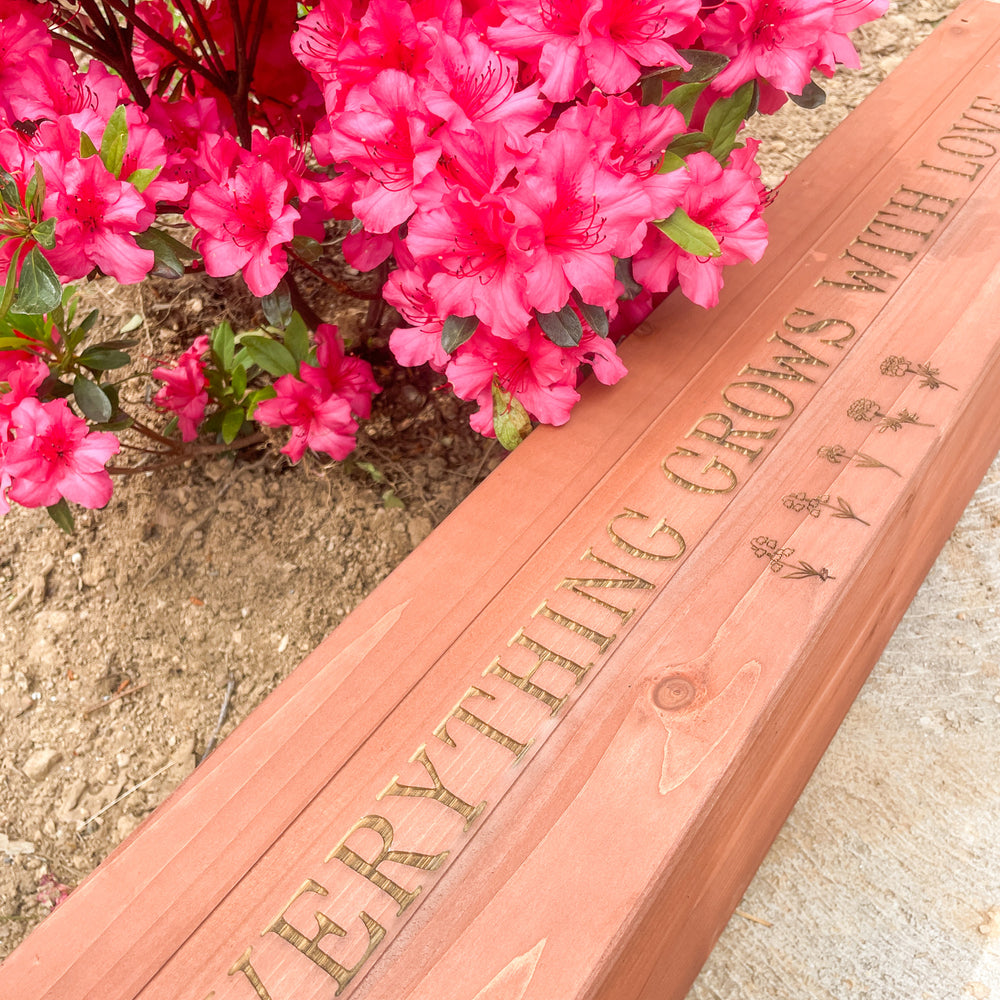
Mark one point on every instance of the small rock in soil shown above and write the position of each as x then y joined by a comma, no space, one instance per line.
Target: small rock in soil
40,763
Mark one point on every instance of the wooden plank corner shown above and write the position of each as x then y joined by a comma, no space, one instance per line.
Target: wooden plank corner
544,758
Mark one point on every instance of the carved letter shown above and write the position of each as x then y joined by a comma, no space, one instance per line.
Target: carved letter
661,528
729,431
905,254
860,281
962,141
600,641
767,390
544,653
982,126
523,682
895,226
985,104
631,582
310,946
370,869
819,326
464,715
242,964
918,199
785,362
971,174
437,792
709,467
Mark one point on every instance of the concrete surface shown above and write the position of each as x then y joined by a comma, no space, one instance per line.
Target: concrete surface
884,883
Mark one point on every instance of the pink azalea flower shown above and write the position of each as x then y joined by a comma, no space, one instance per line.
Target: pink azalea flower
773,40
338,374
728,203
574,217
320,422
625,35
547,37
469,83
480,268
419,343
147,151
540,375
185,392
243,224
53,456
630,139
96,213
384,134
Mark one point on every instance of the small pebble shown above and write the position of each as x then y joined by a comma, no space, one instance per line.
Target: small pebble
40,763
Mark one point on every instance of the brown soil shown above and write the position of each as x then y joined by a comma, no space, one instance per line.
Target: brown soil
198,589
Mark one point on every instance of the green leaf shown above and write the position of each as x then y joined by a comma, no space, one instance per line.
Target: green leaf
8,191
671,162
596,317
114,142
704,65
511,422
90,397
268,354
689,235
103,359
812,96
652,90
725,118
223,342
456,331
238,380
141,179
563,328
390,500
277,306
307,248
87,147
89,320
38,289
231,424
62,515
133,324
9,287
34,195
688,143
684,97
623,272
296,338
44,233
376,473
258,396
168,253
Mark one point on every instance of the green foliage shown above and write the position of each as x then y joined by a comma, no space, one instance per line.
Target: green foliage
689,235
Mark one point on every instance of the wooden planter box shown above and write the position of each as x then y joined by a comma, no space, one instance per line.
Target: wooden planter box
546,756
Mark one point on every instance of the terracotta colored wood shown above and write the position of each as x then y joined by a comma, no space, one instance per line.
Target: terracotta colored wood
612,670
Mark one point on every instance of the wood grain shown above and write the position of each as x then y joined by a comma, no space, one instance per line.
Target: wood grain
545,757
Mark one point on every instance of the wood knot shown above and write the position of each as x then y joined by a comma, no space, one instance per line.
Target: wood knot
674,692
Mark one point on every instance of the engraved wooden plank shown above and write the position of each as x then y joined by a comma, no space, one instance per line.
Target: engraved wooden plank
547,754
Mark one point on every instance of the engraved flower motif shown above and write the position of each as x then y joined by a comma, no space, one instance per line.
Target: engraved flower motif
832,453
803,502
864,409
895,366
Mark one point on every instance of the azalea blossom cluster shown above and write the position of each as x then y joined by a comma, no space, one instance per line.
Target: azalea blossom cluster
531,177
47,452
